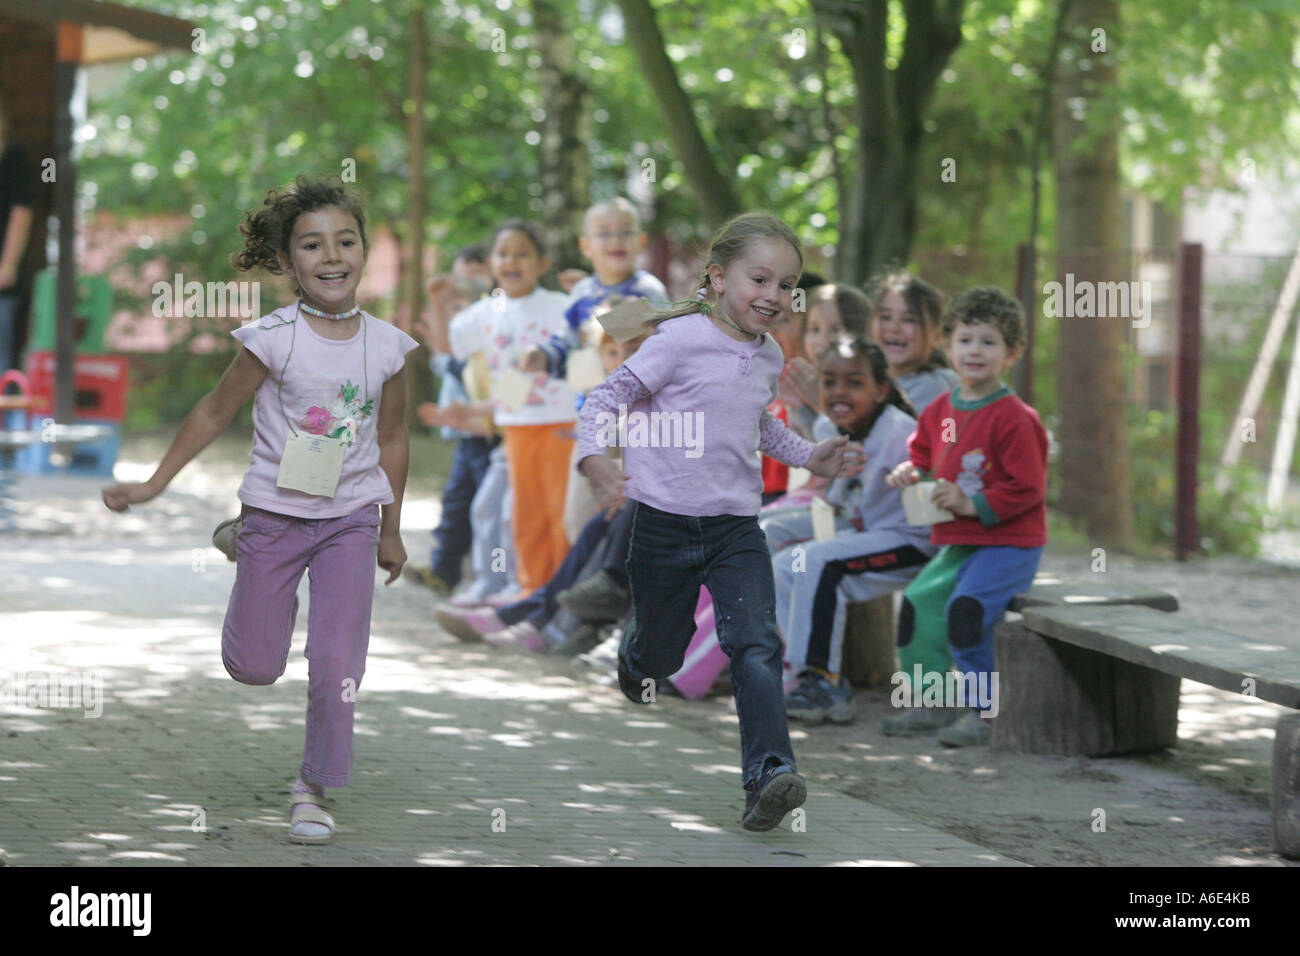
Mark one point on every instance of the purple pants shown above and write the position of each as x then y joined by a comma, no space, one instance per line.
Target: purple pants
272,552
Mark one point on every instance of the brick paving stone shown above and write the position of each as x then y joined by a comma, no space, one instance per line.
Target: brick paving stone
465,755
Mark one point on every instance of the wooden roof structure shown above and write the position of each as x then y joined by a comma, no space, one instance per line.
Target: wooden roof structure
42,45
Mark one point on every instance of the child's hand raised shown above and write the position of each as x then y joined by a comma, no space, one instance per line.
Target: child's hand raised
836,458
947,495
569,278
534,360
121,497
440,287
902,476
798,383
606,477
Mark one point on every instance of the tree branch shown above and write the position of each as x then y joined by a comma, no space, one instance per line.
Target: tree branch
712,189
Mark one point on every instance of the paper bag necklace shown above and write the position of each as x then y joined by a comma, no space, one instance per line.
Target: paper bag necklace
313,463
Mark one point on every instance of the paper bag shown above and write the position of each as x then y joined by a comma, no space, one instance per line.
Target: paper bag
823,520
627,320
510,388
311,464
584,370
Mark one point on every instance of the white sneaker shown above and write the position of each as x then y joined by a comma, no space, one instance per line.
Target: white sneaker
604,656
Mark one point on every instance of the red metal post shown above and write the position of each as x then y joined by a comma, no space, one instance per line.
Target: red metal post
1188,397
660,257
65,208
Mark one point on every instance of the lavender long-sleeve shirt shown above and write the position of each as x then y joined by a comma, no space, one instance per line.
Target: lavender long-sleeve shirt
696,419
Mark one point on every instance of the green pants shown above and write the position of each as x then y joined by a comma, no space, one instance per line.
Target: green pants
923,624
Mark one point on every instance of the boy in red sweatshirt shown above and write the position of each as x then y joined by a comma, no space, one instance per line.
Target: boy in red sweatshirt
987,451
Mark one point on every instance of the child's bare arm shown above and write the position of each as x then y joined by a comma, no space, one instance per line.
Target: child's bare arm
476,418
434,327
394,459
208,419
479,418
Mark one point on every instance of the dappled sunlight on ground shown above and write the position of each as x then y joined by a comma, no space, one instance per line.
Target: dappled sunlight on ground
467,755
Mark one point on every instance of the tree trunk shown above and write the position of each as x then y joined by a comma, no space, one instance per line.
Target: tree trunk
711,187
419,377
1092,387
565,164
890,106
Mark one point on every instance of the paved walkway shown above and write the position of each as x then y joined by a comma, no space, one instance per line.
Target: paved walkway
465,755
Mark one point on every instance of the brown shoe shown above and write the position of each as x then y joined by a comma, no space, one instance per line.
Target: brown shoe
223,539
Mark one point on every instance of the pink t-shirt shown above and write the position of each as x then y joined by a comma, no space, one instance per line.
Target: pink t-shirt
329,387
696,403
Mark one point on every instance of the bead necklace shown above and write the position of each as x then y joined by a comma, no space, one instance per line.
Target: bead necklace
332,316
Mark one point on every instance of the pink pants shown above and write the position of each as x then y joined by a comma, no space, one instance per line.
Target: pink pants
273,551
705,658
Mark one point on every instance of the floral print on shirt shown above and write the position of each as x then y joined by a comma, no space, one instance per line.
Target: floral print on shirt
342,418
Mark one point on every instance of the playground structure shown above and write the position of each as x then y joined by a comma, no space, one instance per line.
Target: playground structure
42,47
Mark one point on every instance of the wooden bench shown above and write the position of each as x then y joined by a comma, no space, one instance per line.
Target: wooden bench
1050,590
870,629
1098,679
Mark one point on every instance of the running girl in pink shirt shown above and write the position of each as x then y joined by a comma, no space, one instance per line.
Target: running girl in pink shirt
323,490
696,395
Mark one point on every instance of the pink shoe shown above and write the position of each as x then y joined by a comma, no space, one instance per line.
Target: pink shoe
502,598
521,636
469,624
789,679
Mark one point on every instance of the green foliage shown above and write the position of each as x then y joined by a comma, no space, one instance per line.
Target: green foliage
303,85
983,115
1228,523
311,86
1205,93
165,387
1236,310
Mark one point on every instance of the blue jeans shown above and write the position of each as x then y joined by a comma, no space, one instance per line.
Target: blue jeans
453,534
8,328
670,557
540,606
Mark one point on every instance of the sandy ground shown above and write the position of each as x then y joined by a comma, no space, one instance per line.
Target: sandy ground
1204,803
